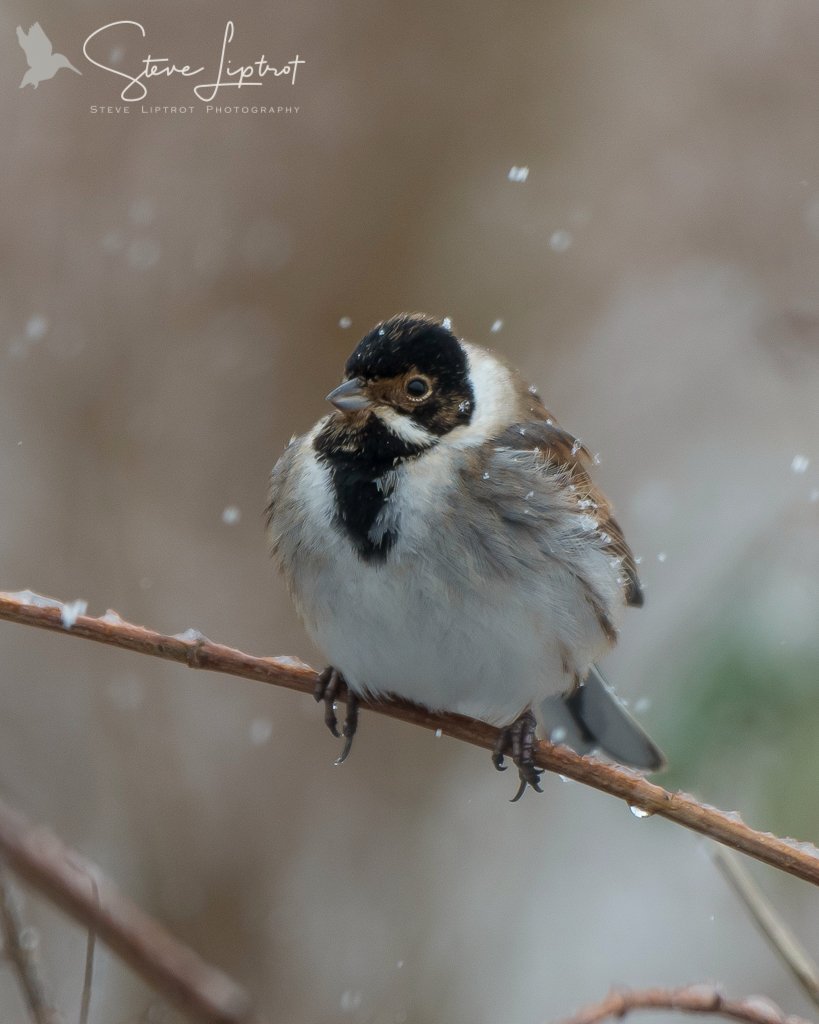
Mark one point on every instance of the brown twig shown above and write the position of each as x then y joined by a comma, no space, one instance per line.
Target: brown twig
191,648
692,999
79,887
23,956
790,950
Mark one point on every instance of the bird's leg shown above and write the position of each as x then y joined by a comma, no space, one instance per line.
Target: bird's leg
330,686
517,740
350,726
326,689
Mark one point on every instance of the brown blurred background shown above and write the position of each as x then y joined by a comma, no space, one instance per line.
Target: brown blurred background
173,294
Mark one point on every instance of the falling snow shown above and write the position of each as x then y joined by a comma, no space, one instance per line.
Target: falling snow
350,1001
231,515
29,938
261,729
36,327
800,463
143,253
142,211
519,174
559,241
126,693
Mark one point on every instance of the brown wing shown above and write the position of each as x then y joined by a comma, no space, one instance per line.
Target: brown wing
541,432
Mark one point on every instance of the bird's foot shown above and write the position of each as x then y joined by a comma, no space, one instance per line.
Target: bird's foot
517,740
329,688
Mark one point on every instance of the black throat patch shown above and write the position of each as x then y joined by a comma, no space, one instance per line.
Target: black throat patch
360,458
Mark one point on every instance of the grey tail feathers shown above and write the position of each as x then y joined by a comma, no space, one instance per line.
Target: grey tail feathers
594,718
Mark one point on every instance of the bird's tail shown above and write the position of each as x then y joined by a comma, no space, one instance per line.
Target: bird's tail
594,718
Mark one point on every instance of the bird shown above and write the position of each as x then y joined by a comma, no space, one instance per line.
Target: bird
443,542
43,63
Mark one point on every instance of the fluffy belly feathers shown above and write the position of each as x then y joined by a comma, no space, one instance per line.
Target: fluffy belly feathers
430,624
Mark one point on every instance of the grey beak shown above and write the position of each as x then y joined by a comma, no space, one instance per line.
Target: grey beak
349,396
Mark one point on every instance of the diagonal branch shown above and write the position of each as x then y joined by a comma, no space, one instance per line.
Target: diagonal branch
693,999
82,891
790,950
196,651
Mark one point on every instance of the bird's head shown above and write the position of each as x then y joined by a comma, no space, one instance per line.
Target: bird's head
411,374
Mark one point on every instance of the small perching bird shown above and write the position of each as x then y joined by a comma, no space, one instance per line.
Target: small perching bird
43,63
443,542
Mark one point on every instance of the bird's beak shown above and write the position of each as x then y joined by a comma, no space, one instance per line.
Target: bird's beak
350,395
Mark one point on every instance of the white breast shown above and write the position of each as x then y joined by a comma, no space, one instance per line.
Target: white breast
422,625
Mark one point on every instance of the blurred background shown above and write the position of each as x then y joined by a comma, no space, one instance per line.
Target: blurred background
179,292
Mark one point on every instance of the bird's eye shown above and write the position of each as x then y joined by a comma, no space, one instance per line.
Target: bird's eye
417,387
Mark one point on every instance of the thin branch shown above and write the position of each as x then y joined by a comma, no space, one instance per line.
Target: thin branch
79,887
790,950
196,651
692,999
23,956
88,973
88,977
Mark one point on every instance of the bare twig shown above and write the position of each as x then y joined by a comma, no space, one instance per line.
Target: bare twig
793,954
692,999
88,976
191,648
79,887
88,973
23,956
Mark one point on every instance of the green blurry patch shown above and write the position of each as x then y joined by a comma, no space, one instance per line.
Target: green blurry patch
746,732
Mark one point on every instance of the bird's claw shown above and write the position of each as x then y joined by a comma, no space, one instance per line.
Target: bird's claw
330,686
327,689
517,740
350,726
